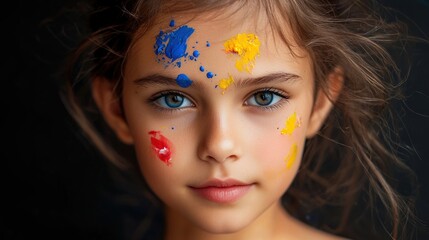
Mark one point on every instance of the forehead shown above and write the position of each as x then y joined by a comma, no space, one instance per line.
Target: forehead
206,34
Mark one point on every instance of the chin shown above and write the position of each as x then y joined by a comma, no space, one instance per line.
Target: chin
221,225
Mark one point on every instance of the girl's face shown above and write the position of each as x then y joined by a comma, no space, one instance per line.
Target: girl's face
218,113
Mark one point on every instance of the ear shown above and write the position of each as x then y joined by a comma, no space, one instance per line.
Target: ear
103,92
325,101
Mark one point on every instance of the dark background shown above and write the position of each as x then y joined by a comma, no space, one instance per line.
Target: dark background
60,188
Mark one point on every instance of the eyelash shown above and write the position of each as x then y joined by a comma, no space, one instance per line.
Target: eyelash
284,99
158,96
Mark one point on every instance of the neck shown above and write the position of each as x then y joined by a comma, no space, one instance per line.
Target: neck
268,225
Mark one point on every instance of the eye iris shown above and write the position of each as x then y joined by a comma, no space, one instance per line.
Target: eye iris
264,98
173,101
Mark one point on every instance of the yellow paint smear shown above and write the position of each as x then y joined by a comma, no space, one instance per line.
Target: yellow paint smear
225,83
291,124
291,157
246,45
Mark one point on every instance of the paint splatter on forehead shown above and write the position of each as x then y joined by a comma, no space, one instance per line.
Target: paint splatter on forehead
171,48
225,83
246,46
173,45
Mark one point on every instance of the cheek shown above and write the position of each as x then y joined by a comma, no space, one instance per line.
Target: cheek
276,151
280,152
161,146
156,154
154,151
163,151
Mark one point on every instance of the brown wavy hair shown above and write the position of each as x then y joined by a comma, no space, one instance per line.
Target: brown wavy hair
347,183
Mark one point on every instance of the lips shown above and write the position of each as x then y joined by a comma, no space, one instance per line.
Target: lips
222,191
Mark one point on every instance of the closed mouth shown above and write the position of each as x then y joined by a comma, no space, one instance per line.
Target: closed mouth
222,191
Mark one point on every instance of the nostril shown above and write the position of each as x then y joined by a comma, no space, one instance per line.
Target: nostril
220,150
220,160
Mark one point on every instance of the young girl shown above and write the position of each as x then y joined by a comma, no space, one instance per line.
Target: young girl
247,119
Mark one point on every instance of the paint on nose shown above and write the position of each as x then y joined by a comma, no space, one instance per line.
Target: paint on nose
246,46
161,146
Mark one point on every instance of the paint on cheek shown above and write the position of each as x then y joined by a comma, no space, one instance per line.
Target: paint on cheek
291,124
161,146
225,83
291,157
173,44
246,46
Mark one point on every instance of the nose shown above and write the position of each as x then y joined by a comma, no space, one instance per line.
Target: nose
219,137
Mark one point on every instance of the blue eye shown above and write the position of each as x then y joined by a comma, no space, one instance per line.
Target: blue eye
172,100
264,98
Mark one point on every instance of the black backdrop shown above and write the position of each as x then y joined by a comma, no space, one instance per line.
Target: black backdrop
59,188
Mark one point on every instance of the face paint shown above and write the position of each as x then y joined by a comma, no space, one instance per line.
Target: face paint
291,157
210,75
247,47
173,44
183,80
291,124
161,146
196,53
224,83
172,23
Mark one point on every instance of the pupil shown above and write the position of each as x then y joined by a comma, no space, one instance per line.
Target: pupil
174,101
264,98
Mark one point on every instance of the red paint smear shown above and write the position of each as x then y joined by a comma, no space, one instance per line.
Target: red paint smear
162,146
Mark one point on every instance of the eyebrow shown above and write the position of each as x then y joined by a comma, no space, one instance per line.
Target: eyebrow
278,77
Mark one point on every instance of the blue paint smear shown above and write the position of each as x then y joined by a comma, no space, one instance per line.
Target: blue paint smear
210,74
172,23
179,64
208,44
173,44
159,43
196,53
201,68
183,81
